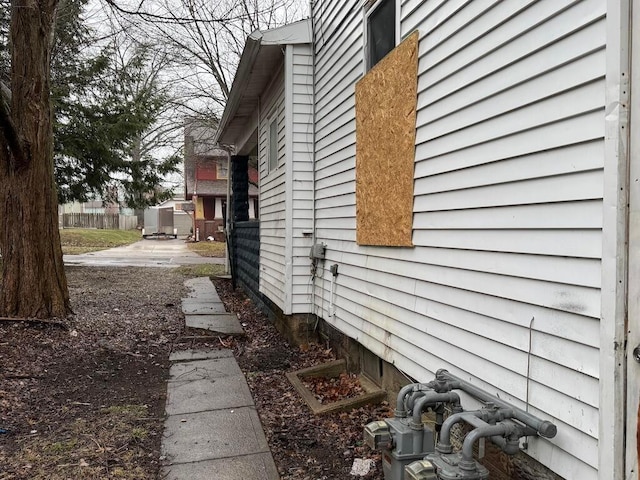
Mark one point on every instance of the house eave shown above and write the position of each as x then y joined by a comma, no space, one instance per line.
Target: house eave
290,34
261,57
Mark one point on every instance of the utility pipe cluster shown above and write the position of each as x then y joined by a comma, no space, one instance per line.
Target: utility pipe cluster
409,442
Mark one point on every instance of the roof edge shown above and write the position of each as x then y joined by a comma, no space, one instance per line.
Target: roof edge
240,81
291,34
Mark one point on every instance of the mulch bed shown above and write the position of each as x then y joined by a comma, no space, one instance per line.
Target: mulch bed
333,389
88,402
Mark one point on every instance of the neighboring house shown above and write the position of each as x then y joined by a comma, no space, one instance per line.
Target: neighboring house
98,205
486,222
206,171
92,206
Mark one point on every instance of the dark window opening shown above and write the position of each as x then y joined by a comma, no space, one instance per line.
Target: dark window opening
209,206
381,31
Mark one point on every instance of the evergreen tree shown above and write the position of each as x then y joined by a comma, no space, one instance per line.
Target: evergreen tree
103,102
99,125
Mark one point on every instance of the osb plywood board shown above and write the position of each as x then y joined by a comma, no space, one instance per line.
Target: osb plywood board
386,100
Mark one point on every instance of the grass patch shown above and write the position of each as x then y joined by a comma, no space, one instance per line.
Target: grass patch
208,249
62,446
131,410
204,270
76,241
138,434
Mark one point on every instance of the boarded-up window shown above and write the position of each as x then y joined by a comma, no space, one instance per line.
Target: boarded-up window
199,208
385,148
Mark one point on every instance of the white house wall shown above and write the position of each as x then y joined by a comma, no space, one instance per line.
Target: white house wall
286,194
299,86
272,196
507,210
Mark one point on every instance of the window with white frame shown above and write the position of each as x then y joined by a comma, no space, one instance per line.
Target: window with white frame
272,153
381,30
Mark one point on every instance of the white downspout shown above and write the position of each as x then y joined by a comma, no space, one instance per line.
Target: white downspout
313,122
288,181
313,149
615,235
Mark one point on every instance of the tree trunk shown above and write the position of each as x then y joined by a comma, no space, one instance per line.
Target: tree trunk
34,283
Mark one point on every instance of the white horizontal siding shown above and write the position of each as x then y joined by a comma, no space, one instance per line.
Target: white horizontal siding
272,196
581,157
500,47
560,188
556,243
507,207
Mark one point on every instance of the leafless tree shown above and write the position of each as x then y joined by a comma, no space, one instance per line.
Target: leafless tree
206,39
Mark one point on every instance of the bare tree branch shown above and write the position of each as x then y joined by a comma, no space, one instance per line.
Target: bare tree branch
163,18
204,53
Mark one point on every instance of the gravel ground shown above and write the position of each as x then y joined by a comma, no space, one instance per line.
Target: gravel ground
85,399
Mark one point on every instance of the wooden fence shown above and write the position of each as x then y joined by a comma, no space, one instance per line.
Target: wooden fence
104,221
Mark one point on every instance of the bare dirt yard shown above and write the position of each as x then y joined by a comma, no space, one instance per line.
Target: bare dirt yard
85,399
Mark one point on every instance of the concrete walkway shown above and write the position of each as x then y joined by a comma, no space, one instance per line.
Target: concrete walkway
212,429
